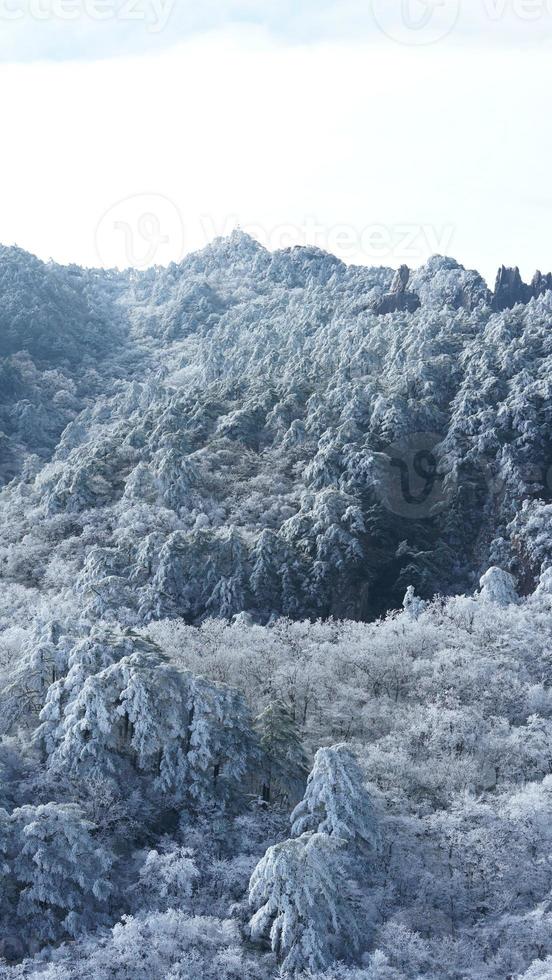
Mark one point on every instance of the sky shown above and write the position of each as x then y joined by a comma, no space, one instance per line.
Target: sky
384,131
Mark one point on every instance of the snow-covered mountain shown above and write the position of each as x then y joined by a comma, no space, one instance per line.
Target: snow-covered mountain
263,514
248,431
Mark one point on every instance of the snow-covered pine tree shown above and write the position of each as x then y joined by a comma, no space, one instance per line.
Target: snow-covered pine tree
127,719
5,848
185,740
284,763
498,586
61,871
268,560
103,647
302,903
221,744
44,658
336,801
227,575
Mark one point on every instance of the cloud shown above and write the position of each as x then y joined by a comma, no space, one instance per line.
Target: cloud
57,30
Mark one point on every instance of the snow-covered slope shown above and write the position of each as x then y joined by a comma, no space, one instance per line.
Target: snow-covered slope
215,477
246,432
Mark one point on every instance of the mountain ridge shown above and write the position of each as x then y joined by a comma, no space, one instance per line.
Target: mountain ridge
255,409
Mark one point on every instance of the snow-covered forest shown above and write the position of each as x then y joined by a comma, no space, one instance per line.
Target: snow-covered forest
275,620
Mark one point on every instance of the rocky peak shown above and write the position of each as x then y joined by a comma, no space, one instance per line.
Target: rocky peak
400,280
510,288
541,284
398,299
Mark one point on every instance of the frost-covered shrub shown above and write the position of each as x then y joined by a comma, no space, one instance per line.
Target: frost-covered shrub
166,880
160,946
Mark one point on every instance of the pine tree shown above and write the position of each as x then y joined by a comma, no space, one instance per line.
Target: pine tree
44,659
336,801
103,647
268,560
60,870
284,760
498,586
176,478
227,575
126,718
221,744
5,847
302,903
186,740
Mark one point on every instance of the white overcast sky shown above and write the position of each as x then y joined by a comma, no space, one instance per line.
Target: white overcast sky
383,131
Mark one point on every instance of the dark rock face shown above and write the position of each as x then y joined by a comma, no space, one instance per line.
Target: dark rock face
398,299
397,303
541,284
400,280
445,281
511,290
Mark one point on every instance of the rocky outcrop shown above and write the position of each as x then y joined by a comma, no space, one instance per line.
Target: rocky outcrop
443,282
541,284
510,289
399,299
